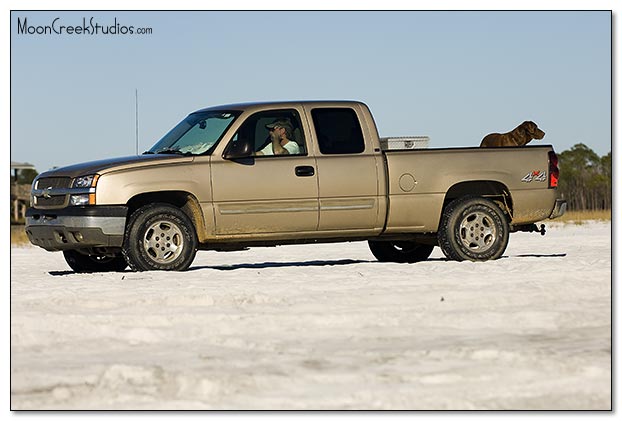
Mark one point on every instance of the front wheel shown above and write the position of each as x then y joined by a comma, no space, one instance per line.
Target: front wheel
86,263
400,251
159,237
473,228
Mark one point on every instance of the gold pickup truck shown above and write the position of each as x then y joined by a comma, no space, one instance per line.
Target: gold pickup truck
264,174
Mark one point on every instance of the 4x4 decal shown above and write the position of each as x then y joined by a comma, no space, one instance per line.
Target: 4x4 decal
534,176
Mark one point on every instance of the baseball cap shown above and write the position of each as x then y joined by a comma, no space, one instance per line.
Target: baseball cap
281,122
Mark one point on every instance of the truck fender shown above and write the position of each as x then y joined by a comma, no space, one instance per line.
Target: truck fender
493,190
187,202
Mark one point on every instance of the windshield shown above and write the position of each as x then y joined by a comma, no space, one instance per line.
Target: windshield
196,134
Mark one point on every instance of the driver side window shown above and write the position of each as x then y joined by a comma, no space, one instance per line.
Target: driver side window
267,128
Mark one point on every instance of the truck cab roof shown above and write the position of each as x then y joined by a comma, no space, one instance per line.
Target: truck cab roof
250,106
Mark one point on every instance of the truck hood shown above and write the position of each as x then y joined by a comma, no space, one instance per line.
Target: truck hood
106,165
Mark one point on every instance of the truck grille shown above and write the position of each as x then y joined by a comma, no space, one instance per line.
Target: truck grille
54,182
57,201
54,201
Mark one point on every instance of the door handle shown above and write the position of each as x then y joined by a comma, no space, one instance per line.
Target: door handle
305,171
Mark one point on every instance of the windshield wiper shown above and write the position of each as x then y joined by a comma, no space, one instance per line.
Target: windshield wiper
173,152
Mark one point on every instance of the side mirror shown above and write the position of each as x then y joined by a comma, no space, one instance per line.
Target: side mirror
240,148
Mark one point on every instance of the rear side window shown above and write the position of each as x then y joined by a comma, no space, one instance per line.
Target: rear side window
338,131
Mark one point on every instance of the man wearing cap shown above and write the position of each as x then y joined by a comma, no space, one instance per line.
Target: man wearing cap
281,131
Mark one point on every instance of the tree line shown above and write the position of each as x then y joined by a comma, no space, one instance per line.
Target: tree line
585,178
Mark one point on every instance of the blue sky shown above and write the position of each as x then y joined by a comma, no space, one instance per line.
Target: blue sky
454,76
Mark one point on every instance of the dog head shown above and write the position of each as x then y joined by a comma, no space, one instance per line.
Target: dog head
532,130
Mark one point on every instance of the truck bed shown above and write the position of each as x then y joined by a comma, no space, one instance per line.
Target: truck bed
419,179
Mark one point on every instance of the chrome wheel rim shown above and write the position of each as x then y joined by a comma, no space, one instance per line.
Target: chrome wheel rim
163,241
478,232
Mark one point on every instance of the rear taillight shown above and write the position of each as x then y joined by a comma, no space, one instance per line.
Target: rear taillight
553,170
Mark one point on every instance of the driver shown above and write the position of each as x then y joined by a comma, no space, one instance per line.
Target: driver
281,133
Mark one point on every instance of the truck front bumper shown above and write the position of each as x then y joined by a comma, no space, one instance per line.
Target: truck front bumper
559,209
76,227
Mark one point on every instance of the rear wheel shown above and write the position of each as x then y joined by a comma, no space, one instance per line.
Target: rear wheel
473,228
400,251
82,262
160,237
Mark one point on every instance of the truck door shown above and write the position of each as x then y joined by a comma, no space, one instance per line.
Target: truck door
267,193
347,171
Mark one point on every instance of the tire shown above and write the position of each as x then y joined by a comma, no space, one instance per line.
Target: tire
159,236
473,228
84,263
400,251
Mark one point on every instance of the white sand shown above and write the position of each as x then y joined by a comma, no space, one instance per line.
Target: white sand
320,327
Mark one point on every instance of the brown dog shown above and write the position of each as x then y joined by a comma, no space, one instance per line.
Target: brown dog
520,136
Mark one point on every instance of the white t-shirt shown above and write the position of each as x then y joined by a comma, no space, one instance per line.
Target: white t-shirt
291,146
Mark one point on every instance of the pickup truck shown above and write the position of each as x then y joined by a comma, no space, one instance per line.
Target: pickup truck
204,186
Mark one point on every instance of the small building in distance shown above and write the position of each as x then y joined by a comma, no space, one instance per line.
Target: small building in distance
20,192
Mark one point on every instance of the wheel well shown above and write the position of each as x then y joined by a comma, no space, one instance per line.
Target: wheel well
493,190
181,199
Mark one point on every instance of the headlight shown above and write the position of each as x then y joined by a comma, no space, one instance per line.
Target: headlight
79,200
85,181
85,187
